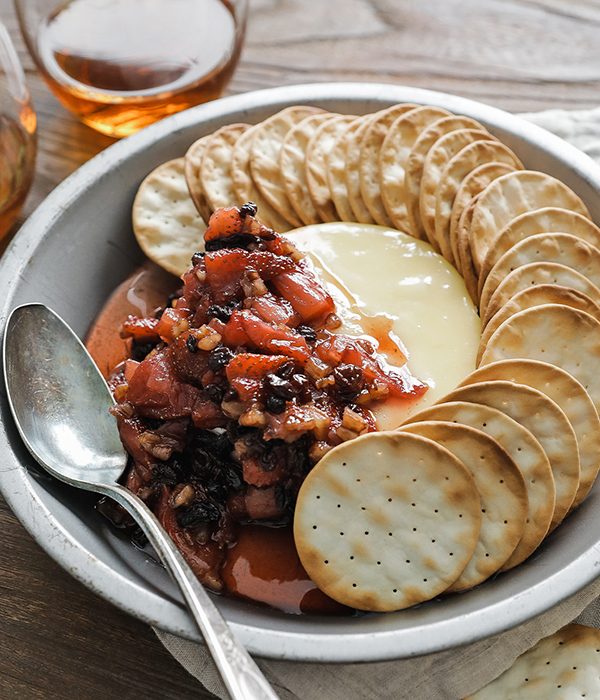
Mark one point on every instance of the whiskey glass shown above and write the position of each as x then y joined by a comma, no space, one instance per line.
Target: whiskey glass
120,65
18,136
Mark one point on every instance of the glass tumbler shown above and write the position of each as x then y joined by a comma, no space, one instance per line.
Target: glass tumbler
18,136
120,65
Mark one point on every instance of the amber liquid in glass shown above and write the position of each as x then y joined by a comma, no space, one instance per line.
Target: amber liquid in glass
17,160
124,64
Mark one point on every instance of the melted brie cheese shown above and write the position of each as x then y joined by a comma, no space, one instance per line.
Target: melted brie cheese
396,289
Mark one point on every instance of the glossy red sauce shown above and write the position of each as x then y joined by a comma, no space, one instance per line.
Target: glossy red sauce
262,566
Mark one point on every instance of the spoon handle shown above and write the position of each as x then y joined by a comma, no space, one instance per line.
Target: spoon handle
243,678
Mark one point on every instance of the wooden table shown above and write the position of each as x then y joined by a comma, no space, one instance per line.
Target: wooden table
58,641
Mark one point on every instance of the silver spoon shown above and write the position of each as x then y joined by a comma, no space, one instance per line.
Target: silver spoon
60,403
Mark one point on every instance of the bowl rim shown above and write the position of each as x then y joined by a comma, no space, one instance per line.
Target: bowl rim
277,642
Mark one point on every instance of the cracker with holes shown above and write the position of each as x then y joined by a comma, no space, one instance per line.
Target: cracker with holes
512,195
244,185
465,258
360,210
443,150
368,164
532,223
166,222
563,665
386,521
556,334
193,159
545,420
416,162
393,157
526,452
336,169
317,153
565,391
561,248
264,158
215,166
292,162
472,185
502,491
536,296
538,273
476,154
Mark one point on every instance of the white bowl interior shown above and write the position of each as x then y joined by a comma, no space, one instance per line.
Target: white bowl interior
78,246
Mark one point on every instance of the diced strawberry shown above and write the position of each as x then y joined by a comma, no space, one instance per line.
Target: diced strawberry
223,223
169,322
143,330
329,350
253,474
249,390
253,366
208,415
306,296
275,310
225,268
246,373
399,384
233,334
130,367
261,503
276,339
157,392
190,366
130,430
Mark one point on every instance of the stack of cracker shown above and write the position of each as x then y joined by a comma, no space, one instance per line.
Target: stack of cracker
471,486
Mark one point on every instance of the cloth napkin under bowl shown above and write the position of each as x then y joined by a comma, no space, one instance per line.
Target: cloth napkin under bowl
448,675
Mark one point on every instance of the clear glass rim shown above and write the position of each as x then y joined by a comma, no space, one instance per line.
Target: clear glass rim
11,65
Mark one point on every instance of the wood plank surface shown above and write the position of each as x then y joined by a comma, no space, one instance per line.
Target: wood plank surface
58,641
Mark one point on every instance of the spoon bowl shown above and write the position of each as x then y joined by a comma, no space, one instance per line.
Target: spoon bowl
60,400
60,403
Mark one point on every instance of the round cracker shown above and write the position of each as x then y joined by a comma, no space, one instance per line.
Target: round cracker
354,138
416,161
536,296
527,454
393,157
442,151
336,171
532,223
368,165
565,391
264,157
292,165
545,420
564,665
472,185
317,153
562,248
473,156
502,491
215,166
166,222
514,194
246,188
534,274
193,159
553,333
465,259
391,535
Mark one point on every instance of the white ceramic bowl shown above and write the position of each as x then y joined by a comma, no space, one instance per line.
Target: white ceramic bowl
78,246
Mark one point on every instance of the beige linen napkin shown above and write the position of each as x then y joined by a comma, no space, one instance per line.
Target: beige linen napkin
448,675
